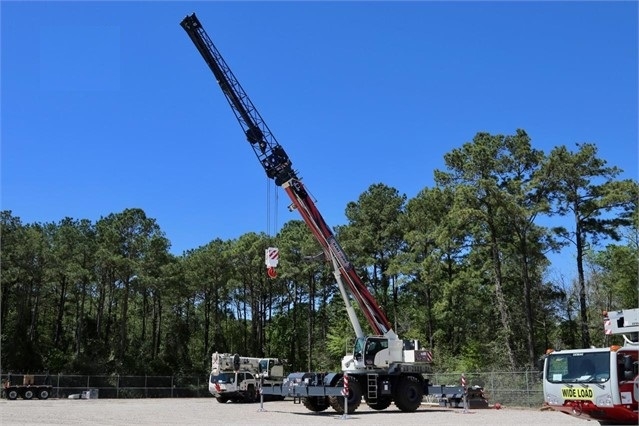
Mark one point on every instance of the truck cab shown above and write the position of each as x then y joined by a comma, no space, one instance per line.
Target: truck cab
238,386
597,383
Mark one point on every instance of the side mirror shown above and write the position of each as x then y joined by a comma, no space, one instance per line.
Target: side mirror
627,362
540,366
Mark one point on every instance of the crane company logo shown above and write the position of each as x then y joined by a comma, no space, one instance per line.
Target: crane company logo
577,393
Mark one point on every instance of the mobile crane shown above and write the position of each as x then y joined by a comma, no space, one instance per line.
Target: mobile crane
238,379
382,368
597,383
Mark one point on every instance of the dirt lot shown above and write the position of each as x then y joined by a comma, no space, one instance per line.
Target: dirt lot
207,411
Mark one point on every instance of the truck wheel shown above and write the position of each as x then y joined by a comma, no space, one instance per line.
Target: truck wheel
12,394
28,394
251,394
43,394
315,403
380,404
408,394
354,396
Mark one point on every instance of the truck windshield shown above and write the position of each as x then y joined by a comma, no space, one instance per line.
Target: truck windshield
222,378
578,367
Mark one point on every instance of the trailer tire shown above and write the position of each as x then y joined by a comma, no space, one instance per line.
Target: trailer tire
354,396
408,394
315,403
43,394
28,394
12,394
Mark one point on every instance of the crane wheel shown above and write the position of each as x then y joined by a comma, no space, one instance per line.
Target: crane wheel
354,396
221,399
28,394
315,403
380,404
43,394
408,394
251,394
12,394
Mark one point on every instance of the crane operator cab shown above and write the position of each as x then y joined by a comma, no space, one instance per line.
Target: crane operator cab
366,348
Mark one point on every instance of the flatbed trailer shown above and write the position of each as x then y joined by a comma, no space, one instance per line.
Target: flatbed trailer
12,392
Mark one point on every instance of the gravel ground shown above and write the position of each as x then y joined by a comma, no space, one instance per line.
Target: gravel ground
207,411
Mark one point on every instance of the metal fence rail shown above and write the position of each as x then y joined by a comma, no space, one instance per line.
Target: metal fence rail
520,388
119,386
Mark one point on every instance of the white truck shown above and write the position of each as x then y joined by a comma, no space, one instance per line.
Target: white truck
599,384
237,378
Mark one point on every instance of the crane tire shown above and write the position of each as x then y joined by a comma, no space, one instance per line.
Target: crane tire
251,394
315,403
12,394
408,394
43,394
380,404
28,394
354,396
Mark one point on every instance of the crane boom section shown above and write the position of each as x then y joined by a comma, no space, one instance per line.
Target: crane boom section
314,220
278,167
269,152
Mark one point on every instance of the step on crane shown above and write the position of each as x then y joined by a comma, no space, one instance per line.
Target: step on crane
382,368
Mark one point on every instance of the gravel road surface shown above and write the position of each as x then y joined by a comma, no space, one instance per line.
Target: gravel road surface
207,411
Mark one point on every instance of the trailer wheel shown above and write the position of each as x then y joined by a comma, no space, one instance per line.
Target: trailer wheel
43,394
28,394
408,394
315,403
12,394
354,396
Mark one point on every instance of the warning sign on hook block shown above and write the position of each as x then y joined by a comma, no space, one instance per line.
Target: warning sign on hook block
272,257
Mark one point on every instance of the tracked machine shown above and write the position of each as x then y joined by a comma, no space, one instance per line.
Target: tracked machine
382,369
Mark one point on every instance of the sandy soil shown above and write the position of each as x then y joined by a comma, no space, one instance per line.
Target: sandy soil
207,411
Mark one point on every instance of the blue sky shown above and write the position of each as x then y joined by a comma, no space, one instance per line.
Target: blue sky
108,106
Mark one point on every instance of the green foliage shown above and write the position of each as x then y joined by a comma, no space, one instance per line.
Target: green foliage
461,267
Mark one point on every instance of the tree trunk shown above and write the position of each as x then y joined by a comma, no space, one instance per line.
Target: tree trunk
501,300
583,309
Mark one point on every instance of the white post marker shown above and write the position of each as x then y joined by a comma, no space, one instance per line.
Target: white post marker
463,383
345,393
261,395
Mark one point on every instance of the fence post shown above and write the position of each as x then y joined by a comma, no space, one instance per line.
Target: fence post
172,386
492,383
146,389
117,387
527,389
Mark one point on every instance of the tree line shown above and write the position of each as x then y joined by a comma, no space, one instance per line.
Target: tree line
462,267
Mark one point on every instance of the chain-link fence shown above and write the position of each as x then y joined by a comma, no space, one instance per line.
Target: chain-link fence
117,386
521,388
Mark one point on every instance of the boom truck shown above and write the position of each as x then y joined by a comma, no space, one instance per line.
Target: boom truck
237,378
597,383
382,368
